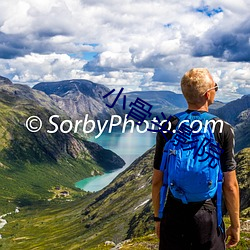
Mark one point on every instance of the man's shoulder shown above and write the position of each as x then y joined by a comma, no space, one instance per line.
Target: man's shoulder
222,125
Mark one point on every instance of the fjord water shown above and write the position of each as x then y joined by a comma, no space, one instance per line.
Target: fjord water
128,146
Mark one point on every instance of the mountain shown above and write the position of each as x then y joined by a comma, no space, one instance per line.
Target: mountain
167,102
125,206
237,113
38,166
242,130
106,215
216,105
158,98
4,80
31,164
80,97
232,110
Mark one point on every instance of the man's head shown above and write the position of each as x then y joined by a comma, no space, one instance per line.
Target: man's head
197,86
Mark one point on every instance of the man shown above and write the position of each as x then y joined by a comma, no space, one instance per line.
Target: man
194,225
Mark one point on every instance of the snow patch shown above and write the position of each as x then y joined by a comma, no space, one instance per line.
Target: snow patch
4,222
142,204
143,186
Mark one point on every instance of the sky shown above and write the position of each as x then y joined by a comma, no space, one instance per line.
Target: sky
140,45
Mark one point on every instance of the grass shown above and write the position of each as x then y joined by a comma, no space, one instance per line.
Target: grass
51,225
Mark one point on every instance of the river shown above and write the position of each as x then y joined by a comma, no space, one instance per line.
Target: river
128,146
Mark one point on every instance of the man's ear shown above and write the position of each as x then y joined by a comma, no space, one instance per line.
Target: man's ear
207,95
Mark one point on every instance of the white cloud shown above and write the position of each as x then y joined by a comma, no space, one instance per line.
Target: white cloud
35,68
142,45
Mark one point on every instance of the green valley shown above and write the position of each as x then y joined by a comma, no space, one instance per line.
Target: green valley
32,163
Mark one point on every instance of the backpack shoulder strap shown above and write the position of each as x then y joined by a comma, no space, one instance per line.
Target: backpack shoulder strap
208,116
181,116
205,115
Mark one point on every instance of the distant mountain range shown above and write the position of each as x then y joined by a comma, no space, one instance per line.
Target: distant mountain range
167,102
162,101
80,97
231,111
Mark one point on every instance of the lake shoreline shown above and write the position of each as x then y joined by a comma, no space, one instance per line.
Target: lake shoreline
129,146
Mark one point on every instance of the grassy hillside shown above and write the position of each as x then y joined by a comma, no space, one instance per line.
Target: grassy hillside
86,222
121,211
243,175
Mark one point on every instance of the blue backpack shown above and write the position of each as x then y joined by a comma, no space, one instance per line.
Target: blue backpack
191,162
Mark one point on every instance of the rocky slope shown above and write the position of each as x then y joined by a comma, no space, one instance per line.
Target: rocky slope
231,111
237,114
80,97
242,130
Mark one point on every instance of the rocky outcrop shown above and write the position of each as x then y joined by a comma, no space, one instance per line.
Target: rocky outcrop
237,113
242,130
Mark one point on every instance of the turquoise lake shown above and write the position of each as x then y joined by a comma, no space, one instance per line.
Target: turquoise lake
129,146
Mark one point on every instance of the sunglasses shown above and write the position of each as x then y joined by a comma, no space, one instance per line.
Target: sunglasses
216,87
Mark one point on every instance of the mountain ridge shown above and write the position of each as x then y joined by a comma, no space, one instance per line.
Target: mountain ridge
230,111
4,80
80,97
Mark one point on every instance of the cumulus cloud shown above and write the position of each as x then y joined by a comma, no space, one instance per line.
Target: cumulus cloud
143,45
35,68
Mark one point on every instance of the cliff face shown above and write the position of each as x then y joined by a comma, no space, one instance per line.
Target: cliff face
80,97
